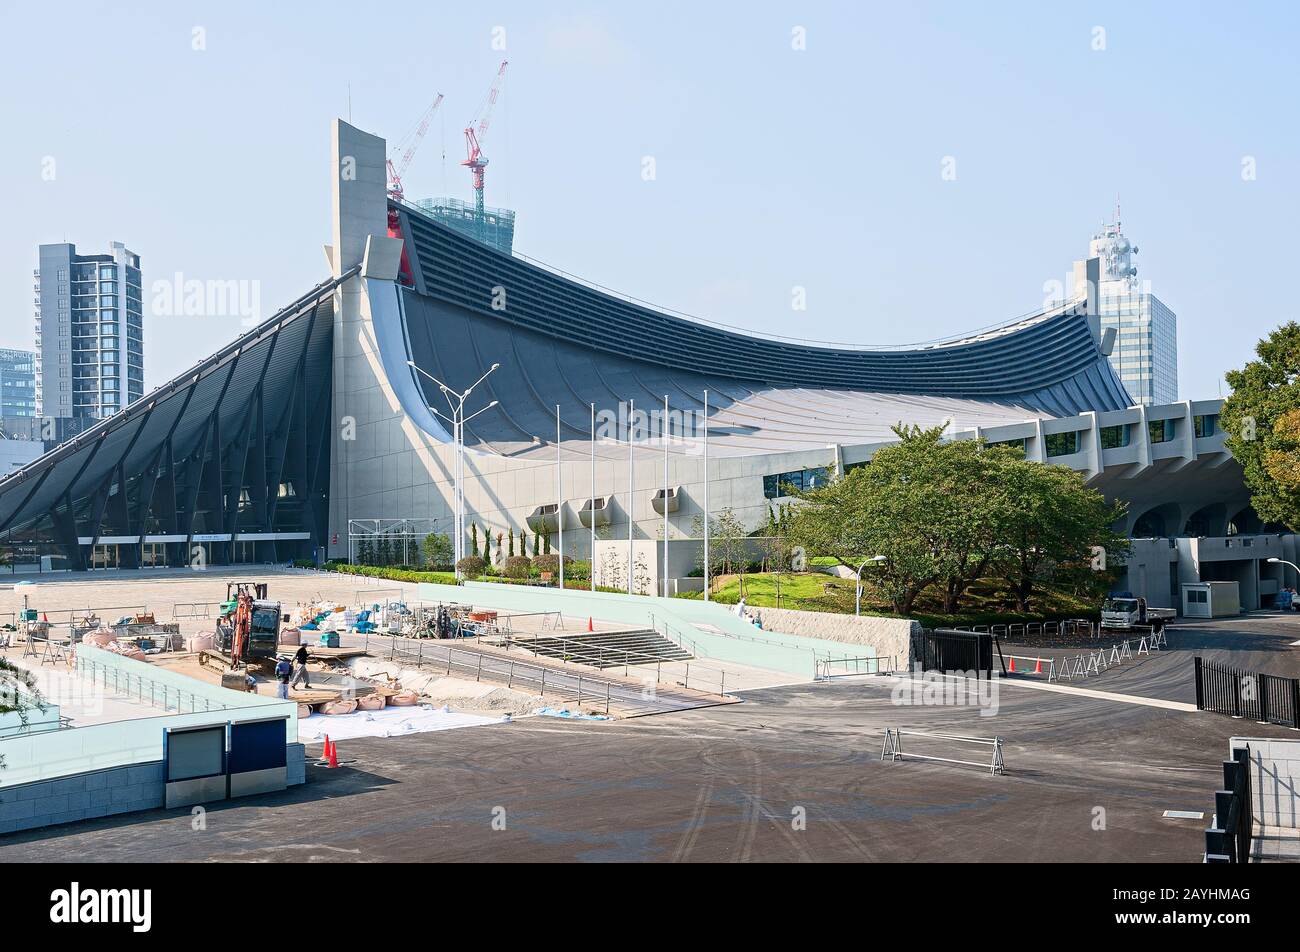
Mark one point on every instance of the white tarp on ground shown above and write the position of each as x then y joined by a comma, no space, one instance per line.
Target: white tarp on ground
390,722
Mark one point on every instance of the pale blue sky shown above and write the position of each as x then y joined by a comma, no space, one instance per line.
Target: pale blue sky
775,167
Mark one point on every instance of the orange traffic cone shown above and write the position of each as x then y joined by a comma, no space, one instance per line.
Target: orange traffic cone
325,754
1038,666
334,756
1012,669
589,628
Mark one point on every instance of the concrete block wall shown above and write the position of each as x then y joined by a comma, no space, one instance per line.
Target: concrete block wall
888,637
1274,779
100,793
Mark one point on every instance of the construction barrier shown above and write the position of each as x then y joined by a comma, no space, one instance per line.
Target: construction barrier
893,749
1095,662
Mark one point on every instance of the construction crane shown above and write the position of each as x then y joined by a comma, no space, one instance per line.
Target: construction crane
477,161
412,140
396,170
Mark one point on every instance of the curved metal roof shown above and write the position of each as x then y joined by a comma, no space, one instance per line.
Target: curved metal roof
563,343
1049,362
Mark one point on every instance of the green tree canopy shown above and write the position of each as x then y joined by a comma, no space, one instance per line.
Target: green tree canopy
1262,422
945,513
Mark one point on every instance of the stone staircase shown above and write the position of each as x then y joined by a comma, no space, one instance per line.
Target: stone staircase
604,649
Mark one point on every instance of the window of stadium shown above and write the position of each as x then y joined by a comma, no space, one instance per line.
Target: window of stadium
1062,444
1162,431
1113,437
1206,425
780,484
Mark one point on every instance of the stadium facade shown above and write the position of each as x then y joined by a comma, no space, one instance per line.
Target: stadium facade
316,425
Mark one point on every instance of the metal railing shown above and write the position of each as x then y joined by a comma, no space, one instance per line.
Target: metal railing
1266,698
871,662
583,687
573,650
145,689
194,609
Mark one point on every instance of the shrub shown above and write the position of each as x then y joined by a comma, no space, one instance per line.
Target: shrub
472,566
550,562
397,575
517,566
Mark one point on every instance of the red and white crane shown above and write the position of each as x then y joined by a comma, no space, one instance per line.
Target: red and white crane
476,133
412,141
396,170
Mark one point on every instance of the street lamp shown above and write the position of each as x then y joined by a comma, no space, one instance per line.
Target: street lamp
857,603
458,419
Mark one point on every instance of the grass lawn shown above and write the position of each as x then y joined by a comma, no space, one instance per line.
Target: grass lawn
984,604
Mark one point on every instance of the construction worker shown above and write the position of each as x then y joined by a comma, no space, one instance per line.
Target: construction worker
300,671
282,672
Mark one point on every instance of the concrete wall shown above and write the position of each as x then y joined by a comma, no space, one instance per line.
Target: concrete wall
1274,779
100,793
888,637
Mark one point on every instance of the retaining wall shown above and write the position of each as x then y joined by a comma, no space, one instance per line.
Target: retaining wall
886,637
99,793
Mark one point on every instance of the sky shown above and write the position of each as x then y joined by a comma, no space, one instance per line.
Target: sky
918,169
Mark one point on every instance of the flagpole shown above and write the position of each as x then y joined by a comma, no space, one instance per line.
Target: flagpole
663,429
559,495
631,414
706,495
591,505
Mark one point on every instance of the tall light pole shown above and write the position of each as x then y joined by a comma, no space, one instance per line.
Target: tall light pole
458,419
857,601
1285,562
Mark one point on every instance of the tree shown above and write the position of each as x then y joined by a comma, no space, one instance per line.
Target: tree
473,539
511,551
437,549
728,549
898,507
18,693
1054,524
1262,422
945,513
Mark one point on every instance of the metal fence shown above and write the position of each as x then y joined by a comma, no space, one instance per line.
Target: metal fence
1266,698
946,650
1229,840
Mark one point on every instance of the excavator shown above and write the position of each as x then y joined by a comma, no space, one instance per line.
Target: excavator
249,627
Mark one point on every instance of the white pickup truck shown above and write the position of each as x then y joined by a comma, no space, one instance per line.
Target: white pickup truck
1122,612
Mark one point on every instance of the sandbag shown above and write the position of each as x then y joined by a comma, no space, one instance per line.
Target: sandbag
370,702
100,638
404,699
341,706
290,636
304,710
200,642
